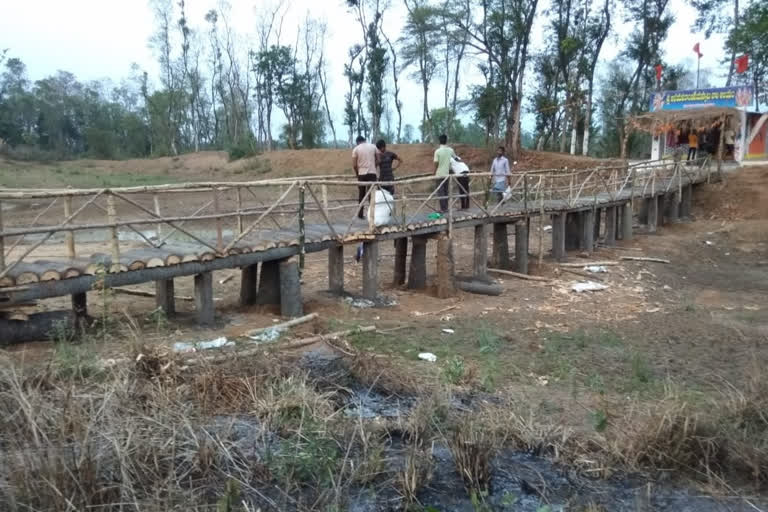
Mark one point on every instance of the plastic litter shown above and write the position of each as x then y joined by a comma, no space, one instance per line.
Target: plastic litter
202,345
707,242
448,331
357,302
428,356
547,228
434,216
270,334
507,194
384,208
596,269
587,286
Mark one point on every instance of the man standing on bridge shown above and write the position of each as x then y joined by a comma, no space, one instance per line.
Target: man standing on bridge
443,156
501,177
387,165
365,160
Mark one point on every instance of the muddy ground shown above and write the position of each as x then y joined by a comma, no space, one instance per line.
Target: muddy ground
689,335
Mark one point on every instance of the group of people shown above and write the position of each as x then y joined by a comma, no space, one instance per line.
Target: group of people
373,163
699,139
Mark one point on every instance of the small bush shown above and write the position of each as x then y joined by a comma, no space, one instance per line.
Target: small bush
242,149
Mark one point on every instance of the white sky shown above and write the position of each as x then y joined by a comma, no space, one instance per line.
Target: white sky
97,39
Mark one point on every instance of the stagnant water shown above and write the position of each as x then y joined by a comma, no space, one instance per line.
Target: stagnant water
520,481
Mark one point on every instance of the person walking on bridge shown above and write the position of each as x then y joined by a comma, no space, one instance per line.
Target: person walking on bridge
693,145
387,165
365,160
443,156
501,176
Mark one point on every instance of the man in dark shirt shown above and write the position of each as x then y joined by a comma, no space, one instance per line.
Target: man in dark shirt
386,167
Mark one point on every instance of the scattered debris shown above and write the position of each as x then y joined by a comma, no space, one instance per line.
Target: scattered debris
590,264
419,313
547,229
268,335
642,258
285,325
518,275
448,331
428,356
361,303
596,269
587,286
144,293
707,242
227,279
202,345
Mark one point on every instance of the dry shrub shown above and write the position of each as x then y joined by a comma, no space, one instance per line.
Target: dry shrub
389,377
284,403
416,473
667,436
473,447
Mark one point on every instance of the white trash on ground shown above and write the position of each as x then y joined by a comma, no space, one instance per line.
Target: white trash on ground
587,286
268,335
428,356
202,345
448,331
596,269
384,208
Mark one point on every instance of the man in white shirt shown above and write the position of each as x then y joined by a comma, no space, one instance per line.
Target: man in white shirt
365,160
501,177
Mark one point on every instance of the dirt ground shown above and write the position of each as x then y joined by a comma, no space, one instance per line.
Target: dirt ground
693,331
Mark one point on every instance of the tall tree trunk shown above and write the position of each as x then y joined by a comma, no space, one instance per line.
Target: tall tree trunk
733,51
587,121
574,129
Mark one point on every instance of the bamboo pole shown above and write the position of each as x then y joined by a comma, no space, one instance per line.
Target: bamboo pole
113,233
259,219
219,234
158,228
239,200
70,234
2,240
372,207
450,207
322,211
541,221
324,193
302,228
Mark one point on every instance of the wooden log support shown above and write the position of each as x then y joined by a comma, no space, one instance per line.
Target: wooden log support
269,284
587,242
610,226
417,274
401,260
164,296
249,278
70,236
479,287
686,201
652,204
480,252
48,325
558,237
619,223
672,208
598,214
643,215
626,221
445,268
114,239
204,298
500,246
336,269
572,231
370,269
521,246
291,304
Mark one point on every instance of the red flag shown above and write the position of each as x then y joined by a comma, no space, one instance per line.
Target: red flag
697,49
658,72
742,63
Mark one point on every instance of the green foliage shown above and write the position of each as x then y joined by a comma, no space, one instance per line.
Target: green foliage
599,420
751,37
242,149
455,370
310,457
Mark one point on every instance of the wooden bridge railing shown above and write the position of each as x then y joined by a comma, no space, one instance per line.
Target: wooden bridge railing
219,218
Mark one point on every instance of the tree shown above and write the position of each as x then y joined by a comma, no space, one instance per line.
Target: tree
377,66
597,29
420,39
713,17
396,84
161,42
751,38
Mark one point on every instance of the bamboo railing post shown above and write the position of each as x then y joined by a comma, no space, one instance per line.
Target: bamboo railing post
112,218
541,220
525,194
324,193
302,229
158,228
372,207
219,234
239,199
450,205
2,240
70,234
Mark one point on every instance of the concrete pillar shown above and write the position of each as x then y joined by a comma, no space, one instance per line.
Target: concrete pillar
445,270
249,278
521,246
500,246
401,260
652,204
336,269
417,274
370,269
480,252
610,226
587,242
269,284
291,304
626,221
558,237
204,298
572,231
687,200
